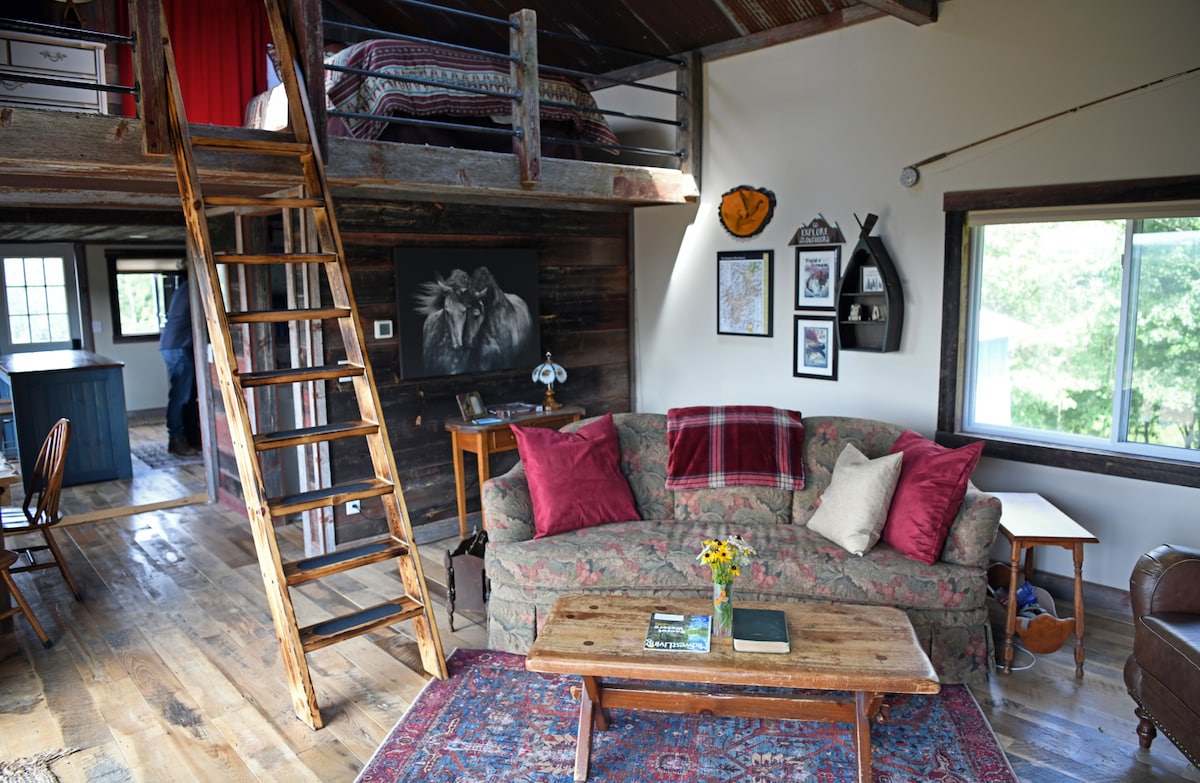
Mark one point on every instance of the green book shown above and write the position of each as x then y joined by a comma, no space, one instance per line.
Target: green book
678,632
760,630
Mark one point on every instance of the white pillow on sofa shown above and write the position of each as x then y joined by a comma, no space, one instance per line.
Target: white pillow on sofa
854,507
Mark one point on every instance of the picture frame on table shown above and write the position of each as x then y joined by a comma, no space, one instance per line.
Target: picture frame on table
872,280
745,292
470,405
818,269
816,347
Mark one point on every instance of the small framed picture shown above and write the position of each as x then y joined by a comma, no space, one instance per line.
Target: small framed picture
815,347
817,270
470,405
744,292
872,281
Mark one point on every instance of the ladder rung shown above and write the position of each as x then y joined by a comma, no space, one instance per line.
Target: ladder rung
279,258
318,434
324,372
283,316
261,146
329,496
319,566
347,626
273,202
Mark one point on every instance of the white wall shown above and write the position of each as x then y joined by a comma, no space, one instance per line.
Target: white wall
145,375
828,123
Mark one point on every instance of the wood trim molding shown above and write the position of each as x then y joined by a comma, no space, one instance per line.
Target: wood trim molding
916,12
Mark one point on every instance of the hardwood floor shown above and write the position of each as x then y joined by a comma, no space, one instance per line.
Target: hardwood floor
169,670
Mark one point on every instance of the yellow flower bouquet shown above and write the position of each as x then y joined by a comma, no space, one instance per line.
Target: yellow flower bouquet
725,559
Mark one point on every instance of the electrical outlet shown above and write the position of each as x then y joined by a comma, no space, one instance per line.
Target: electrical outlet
353,507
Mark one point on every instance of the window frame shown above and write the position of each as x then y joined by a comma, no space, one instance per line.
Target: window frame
955,308
69,255
176,256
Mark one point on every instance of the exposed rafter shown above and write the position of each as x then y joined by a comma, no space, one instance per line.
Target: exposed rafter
916,12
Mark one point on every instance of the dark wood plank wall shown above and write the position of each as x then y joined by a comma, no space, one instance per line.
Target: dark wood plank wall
584,292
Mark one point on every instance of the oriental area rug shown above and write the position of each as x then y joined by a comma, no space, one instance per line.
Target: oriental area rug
494,721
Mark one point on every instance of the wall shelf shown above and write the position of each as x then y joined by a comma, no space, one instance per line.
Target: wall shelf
870,282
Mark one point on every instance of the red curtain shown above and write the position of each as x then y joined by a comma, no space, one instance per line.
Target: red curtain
220,53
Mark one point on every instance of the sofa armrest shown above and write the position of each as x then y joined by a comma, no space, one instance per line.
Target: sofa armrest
974,529
1166,579
507,507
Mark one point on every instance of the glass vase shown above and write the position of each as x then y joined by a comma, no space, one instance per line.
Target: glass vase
722,621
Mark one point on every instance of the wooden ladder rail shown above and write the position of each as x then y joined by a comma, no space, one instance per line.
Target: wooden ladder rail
279,576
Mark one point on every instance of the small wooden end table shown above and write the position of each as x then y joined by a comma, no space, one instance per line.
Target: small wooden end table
7,481
1029,520
869,650
483,440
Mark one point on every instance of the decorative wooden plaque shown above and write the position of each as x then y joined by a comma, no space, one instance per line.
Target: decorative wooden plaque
745,211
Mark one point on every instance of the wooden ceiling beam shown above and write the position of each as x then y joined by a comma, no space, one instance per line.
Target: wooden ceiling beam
916,12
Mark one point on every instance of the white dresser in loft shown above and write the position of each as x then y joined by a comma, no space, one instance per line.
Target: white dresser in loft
54,58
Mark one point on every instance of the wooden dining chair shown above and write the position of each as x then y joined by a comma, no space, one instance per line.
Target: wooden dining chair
39,513
7,558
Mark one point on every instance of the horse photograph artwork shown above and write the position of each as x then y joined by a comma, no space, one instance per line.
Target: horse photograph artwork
466,310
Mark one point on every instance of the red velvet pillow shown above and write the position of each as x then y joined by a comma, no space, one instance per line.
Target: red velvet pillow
575,478
933,481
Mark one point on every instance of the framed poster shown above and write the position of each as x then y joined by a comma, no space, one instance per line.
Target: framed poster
818,268
744,292
815,347
466,310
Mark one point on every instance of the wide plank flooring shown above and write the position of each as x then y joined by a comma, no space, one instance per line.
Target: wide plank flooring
169,670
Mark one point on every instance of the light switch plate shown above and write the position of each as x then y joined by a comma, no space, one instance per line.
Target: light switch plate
383,330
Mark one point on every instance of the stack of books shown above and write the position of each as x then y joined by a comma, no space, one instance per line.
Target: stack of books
507,410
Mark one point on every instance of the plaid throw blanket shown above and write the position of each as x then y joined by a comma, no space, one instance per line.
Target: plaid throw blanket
712,447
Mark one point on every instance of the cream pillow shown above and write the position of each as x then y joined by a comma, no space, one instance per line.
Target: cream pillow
855,505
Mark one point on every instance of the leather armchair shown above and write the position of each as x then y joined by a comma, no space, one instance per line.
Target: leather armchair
1163,673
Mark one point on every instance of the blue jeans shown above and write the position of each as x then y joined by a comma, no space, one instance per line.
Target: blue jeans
181,375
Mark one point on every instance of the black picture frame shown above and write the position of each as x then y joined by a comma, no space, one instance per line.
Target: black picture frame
815,347
818,269
745,293
481,282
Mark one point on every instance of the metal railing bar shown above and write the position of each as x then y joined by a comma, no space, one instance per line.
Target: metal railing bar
426,123
611,81
11,76
613,47
612,113
24,26
467,14
511,58
622,147
512,96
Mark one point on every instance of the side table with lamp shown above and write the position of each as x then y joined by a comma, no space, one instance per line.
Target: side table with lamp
483,440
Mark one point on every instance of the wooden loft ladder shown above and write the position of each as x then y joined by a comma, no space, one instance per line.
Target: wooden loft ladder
310,197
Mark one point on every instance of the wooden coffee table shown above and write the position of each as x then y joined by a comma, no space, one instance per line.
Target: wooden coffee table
866,650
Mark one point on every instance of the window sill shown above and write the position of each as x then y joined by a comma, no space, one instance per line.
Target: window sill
1107,463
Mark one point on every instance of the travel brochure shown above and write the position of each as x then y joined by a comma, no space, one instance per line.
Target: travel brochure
678,632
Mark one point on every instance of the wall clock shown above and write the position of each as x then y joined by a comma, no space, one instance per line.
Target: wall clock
745,211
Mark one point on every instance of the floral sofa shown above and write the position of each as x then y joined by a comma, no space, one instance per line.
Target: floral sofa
656,555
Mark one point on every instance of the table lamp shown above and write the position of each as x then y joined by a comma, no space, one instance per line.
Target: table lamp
548,372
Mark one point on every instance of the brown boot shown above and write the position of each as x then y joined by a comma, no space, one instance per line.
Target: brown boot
180,448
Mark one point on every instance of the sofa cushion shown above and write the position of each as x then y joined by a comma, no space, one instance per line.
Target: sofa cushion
659,557
933,481
574,478
824,438
855,504
734,504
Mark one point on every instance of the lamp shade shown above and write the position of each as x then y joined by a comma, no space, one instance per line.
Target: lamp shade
548,372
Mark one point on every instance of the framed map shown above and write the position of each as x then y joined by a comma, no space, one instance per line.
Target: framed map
744,292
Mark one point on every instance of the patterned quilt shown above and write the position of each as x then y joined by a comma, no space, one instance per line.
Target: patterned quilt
363,94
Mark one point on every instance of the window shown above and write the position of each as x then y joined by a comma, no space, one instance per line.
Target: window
1076,336
38,300
140,289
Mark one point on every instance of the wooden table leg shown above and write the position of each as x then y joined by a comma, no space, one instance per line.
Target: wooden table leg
460,484
590,713
1078,553
485,472
862,736
1010,622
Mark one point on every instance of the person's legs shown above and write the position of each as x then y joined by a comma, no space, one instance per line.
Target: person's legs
181,376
